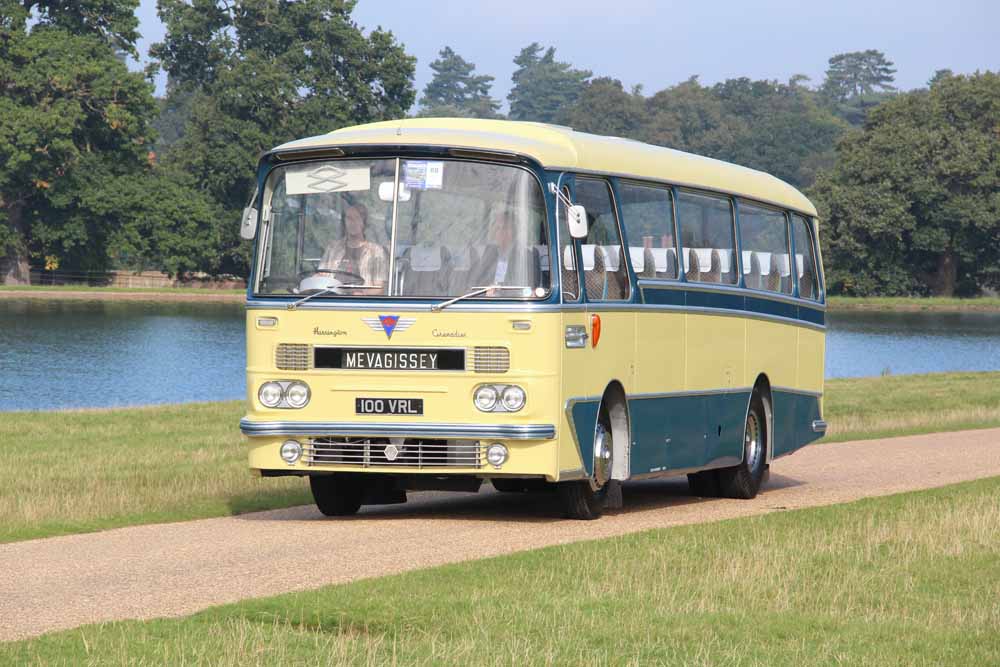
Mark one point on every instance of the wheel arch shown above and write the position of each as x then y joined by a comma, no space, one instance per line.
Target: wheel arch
616,400
762,385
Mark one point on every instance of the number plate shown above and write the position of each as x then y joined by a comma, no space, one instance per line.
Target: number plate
359,358
389,406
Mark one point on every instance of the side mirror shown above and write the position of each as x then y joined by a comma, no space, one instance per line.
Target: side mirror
248,224
385,191
577,222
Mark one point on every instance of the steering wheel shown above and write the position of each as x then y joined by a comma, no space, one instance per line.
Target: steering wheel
346,278
333,279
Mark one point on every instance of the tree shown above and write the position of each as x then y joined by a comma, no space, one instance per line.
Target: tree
70,113
456,91
912,206
604,107
543,86
858,81
263,72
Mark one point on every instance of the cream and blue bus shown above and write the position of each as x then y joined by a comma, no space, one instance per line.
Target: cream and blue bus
438,302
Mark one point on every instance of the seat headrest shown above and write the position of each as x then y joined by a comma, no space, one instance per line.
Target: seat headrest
425,258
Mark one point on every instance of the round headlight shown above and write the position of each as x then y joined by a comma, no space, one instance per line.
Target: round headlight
496,454
270,394
291,451
486,397
297,394
512,398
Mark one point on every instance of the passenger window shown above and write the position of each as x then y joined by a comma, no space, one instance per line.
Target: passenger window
707,239
570,278
766,263
604,275
805,258
648,218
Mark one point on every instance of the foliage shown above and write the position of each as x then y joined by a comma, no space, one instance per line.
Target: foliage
543,86
857,81
456,91
263,72
605,107
70,115
913,203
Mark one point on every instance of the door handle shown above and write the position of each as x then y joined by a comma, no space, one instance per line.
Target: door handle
576,336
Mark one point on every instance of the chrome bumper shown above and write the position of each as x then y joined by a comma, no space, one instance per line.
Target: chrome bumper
401,430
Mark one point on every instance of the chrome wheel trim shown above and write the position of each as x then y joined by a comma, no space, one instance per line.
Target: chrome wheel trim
752,441
602,456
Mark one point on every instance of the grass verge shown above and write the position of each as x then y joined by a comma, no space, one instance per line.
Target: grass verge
78,471
912,579
939,304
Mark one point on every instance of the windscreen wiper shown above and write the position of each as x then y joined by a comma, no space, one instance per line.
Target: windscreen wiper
476,291
328,290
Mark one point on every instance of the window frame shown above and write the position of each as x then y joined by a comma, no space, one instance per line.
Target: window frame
734,227
789,246
672,192
810,225
578,243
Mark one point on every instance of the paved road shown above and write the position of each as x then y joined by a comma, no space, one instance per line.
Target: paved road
176,569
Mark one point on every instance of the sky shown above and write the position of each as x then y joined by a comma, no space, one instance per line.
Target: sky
658,44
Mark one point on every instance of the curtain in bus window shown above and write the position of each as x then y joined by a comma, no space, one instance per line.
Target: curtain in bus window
766,261
805,259
604,273
707,238
648,218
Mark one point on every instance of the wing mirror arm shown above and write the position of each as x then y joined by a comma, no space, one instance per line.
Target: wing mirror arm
576,214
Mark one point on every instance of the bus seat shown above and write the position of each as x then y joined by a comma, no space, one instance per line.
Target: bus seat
615,273
595,278
714,273
463,260
637,257
753,278
727,265
588,256
648,264
568,276
425,271
692,268
773,281
806,286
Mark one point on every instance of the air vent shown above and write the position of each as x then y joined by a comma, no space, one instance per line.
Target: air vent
293,357
491,359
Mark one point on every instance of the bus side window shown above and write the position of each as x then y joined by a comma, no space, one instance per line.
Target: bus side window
569,276
707,238
648,218
764,234
604,273
805,259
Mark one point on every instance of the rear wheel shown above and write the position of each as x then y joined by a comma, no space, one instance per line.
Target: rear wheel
337,494
744,480
584,499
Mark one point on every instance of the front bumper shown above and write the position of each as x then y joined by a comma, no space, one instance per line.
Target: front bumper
400,430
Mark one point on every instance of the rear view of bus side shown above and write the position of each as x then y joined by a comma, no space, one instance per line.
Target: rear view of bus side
545,309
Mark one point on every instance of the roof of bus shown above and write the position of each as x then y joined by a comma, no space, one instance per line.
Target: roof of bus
557,147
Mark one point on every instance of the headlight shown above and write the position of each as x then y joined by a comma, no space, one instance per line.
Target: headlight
496,454
270,394
486,397
291,451
512,398
297,394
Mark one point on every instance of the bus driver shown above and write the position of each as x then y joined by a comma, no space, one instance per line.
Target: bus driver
354,254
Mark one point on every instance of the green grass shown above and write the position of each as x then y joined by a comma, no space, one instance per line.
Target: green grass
939,304
78,471
912,579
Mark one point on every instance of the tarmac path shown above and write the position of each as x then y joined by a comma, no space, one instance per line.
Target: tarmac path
177,569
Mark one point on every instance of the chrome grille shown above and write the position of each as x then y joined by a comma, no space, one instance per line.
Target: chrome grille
378,452
293,357
491,359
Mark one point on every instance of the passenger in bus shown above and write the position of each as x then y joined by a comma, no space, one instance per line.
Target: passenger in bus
507,262
354,254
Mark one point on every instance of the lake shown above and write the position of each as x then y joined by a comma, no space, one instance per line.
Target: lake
62,354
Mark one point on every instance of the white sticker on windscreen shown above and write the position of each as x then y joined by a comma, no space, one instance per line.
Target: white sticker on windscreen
314,179
423,174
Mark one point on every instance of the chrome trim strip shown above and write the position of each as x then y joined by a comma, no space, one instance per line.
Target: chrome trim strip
382,429
693,392
792,390
663,283
819,426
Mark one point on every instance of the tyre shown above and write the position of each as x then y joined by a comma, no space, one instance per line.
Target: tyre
744,480
337,494
584,499
704,484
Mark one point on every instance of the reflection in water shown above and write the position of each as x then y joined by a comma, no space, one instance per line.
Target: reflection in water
63,354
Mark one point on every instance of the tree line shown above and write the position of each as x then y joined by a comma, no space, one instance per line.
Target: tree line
96,172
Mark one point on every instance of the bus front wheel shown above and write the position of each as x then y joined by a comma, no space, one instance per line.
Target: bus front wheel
584,499
337,494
